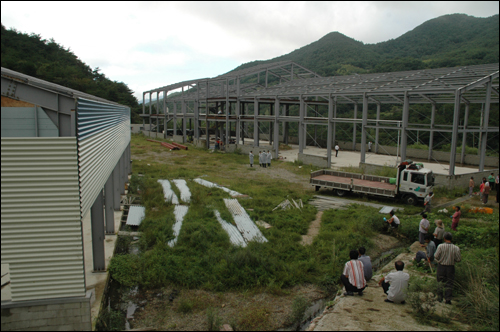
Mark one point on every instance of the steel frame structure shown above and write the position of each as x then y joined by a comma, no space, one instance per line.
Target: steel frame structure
286,83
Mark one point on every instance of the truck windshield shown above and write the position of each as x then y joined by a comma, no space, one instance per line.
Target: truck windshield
430,179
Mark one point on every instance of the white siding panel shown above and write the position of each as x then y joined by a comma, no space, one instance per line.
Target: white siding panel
40,218
103,135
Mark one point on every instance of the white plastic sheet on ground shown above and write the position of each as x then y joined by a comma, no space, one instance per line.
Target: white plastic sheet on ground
233,232
213,185
180,212
245,225
184,189
136,214
169,194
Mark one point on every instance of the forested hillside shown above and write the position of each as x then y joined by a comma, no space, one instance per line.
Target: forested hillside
446,41
47,60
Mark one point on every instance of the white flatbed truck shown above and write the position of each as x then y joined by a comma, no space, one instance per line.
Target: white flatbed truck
411,185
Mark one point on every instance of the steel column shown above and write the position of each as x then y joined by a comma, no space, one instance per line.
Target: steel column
165,114
486,119
238,111
363,129
228,110
116,187
454,136
97,225
109,205
329,135
431,137
184,121
301,125
354,127
255,123
464,137
377,129
404,137
276,141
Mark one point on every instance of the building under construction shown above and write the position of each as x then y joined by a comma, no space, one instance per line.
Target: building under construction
283,93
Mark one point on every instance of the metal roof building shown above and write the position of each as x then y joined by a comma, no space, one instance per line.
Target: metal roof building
65,159
236,98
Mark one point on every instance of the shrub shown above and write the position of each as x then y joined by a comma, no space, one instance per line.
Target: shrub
299,306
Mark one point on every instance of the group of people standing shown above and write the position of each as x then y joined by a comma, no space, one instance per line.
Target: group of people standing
486,186
264,158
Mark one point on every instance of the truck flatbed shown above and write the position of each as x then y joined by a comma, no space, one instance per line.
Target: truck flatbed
354,182
357,182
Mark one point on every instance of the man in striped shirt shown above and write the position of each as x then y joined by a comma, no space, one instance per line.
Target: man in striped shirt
447,254
353,276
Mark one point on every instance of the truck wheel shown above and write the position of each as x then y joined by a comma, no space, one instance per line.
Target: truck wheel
340,192
411,200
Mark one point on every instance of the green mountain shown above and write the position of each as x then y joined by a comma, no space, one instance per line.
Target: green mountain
47,60
446,41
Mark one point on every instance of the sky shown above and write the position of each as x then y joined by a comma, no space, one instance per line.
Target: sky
153,44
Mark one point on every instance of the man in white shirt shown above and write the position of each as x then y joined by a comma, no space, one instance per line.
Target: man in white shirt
395,284
337,148
250,156
423,229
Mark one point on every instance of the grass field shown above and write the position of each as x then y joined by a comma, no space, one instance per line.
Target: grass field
204,259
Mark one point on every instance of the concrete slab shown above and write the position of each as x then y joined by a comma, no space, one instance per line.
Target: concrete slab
352,158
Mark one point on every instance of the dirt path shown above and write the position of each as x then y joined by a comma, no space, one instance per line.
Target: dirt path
313,230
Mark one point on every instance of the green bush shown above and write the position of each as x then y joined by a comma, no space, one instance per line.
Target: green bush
126,269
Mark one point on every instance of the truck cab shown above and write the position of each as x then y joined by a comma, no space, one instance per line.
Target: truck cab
414,182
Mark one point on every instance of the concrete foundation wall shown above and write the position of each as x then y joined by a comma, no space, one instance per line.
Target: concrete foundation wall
454,181
65,314
152,134
313,160
424,154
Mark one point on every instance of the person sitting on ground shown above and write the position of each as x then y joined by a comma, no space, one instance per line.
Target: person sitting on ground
428,255
353,277
455,218
438,232
423,229
367,263
395,284
393,221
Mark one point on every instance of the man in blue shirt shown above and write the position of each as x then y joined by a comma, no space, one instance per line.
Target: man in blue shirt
367,263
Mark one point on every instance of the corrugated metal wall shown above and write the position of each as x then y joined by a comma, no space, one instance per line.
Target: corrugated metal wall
103,134
41,227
